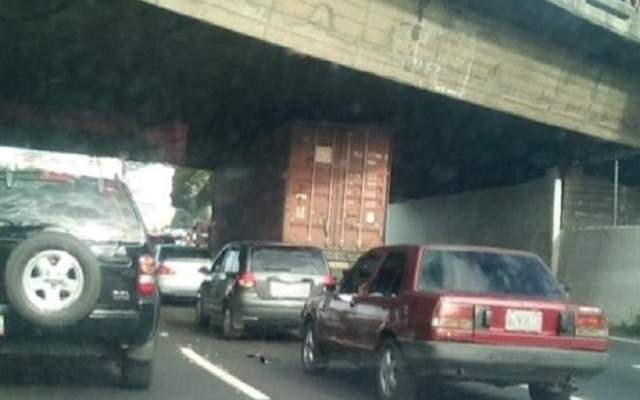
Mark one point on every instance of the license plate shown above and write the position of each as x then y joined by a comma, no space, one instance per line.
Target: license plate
523,321
1,325
294,290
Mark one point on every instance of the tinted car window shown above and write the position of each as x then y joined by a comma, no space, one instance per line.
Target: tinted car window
288,259
183,252
389,278
78,206
478,272
355,280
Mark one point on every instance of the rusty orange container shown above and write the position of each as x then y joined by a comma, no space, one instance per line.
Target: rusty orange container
319,184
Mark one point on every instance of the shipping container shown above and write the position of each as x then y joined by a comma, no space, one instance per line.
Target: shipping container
319,184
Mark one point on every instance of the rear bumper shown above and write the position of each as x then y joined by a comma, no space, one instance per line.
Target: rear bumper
510,364
104,332
180,293
251,311
178,289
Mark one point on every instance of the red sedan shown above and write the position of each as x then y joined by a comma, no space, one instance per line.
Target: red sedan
425,314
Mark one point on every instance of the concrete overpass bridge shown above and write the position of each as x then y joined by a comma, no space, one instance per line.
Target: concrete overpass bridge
193,81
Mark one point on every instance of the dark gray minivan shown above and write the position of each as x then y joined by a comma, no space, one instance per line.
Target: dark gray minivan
260,285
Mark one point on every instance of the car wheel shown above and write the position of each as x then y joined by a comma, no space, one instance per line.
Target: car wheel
136,374
393,378
229,332
53,279
538,391
202,320
314,359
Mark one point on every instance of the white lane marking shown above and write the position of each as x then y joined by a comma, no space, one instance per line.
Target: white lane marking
223,375
624,340
526,387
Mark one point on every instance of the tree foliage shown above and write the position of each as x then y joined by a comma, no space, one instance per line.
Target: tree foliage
192,191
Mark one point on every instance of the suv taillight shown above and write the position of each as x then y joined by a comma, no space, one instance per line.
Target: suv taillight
146,286
247,280
453,321
146,281
591,323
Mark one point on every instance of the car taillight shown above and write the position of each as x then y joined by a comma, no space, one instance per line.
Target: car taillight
164,270
329,281
146,286
146,281
247,280
453,321
591,323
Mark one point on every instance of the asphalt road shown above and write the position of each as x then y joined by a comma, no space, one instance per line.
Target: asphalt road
192,364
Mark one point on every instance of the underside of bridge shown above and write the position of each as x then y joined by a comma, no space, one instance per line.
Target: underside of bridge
122,77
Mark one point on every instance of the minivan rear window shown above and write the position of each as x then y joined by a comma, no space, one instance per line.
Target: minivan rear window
487,273
78,206
288,259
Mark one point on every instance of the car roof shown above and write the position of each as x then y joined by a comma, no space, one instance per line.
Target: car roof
18,172
458,247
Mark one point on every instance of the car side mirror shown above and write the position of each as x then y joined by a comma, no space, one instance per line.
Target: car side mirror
566,288
204,270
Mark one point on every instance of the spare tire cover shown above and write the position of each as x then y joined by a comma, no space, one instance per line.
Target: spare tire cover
53,279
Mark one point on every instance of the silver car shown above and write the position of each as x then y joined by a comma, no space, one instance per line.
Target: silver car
260,285
180,270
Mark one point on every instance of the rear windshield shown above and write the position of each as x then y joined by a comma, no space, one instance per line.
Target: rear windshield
478,272
183,252
288,259
76,206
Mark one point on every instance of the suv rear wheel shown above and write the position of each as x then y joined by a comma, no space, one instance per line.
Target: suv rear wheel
393,377
136,374
539,391
314,360
53,279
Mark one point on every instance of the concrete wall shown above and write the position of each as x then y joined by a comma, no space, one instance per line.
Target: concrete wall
518,217
602,266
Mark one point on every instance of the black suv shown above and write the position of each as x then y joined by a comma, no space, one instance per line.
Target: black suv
75,275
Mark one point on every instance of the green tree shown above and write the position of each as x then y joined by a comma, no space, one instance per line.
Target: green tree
192,193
